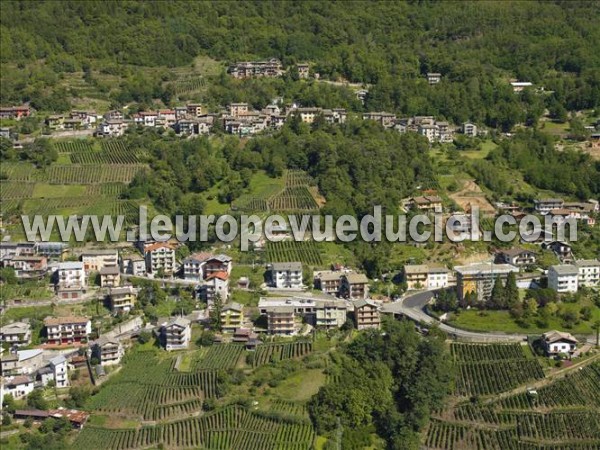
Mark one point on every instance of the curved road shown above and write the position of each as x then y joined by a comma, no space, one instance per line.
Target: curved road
412,306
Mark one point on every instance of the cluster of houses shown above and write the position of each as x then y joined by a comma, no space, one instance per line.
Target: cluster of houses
15,112
559,210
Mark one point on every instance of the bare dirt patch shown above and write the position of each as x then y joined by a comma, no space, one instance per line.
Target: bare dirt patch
471,195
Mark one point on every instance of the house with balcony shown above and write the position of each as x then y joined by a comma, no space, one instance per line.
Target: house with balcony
70,280
354,286
303,70
110,276
160,256
589,272
286,275
557,342
232,317
215,283
562,250
469,129
122,299
19,386
516,256
366,314
328,281
386,119
133,263
427,203
15,334
423,276
28,267
96,260
58,364
22,362
67,330
329,314
545,205
176,334
563,278
108,350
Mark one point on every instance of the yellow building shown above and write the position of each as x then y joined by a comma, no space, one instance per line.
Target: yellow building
232,317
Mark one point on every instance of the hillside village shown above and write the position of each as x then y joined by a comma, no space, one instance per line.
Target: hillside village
329,109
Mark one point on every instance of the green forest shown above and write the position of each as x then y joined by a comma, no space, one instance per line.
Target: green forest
476,46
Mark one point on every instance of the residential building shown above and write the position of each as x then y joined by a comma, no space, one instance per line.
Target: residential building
110,276
518,86
285,314
384,118
193,266
330,314
15,112
108,350
176,333
427,203
19,386
516,256
328,281
61,374
589,272
562,250
9,249
216,283
217,263
96,260
422,276
232,317
15,334
133,264
71,274
67,330
160,256
545,205
286,275
434,77
557,342
22,362
28,267
563,278
366,314
469,129
480,278
303,70
52,250
251,69
354,286
112,128
194,109
238,109
122,299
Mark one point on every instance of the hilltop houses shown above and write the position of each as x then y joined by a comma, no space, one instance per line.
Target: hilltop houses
516,257
122,299
232,317
159,256
255,69
354,286
108,350
422,276
570,277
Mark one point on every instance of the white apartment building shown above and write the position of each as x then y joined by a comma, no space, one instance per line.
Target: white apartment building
176,334
563,278
109,351
160,256
58,365
589,272
71,274
286,275
67,330
16,333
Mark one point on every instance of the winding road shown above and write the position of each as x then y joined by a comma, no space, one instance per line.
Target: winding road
412,306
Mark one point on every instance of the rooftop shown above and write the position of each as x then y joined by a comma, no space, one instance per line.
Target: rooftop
565,269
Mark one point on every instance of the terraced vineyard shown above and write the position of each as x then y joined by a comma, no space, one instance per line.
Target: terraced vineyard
563,415
271,353
188,85
489,369
18,171
75,146
90,174
231,428
307,252
294,199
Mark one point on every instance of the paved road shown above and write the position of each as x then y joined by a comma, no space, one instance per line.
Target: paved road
412,306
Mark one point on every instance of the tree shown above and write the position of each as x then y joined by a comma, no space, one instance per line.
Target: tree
36,399
498,296
215,313
144,337
531,307
8,403
511,292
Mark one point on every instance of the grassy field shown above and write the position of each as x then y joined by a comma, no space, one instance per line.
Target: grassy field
44,190
475,320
